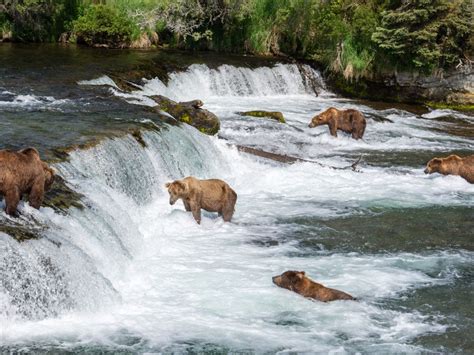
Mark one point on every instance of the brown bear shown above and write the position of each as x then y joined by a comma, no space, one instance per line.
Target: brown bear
212,195
23,172
349,121
297,281
453,165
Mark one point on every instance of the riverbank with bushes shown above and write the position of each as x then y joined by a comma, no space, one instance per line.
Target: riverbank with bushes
361,45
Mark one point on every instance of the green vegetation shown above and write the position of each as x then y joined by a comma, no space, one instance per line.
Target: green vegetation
37,20
105,25
352,38
425,34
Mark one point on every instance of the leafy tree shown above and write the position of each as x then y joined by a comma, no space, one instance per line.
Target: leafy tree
39,20
425,34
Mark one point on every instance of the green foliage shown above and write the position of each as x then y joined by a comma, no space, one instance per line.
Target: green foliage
425,34
352,37
5,25
39,20
102,24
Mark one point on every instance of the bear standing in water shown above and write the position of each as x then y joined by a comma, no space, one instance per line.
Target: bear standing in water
23,172
297,281
453,165
212,195
349,121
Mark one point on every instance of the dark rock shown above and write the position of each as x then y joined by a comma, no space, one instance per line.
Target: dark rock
137,134
19,233
187,112
274,115
61,197
453,89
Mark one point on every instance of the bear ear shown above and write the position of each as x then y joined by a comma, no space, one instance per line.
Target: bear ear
30,152
168,184
182,185
185,186
300,274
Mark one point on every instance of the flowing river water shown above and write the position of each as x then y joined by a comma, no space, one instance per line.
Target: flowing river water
129,273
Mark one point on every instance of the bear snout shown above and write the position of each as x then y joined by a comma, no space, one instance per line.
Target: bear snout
427,171
172,202
276,280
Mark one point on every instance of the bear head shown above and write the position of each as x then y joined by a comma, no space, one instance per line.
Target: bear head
177,189
443,165
289,279
49,175
321,119
433,166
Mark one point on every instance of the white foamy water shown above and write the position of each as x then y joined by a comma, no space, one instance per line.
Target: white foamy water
227,80
129,272
103,80
13,101
447,112
228,90
141,275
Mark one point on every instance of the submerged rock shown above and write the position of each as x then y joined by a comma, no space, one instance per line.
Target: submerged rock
137,135
190,112
274,115
19,233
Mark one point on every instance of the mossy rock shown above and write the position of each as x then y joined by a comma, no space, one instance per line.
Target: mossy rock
20,229
20,234
61,197
190,113
274,115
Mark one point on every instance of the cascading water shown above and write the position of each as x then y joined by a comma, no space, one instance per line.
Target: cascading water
129,272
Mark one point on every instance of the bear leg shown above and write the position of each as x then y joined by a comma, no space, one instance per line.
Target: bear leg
12,198
355,135
186,205
196,210
37,194
229,205
333,129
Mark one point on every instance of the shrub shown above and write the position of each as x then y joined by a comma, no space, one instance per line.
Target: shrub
102,24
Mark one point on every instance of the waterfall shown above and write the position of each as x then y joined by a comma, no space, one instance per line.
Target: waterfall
82,254
128,272
201,81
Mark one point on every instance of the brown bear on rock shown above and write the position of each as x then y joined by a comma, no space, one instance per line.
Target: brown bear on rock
349,121
297,281
212,195
23,172
453,165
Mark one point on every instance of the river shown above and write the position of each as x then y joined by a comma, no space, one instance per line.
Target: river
127,272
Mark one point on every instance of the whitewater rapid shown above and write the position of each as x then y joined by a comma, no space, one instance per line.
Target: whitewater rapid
132,273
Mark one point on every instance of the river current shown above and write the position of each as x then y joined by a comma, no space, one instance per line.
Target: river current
130,273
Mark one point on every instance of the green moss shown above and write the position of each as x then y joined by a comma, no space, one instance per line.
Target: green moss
185,118
445,105
277,116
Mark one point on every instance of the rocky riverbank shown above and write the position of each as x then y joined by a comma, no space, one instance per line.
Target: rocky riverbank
452,89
